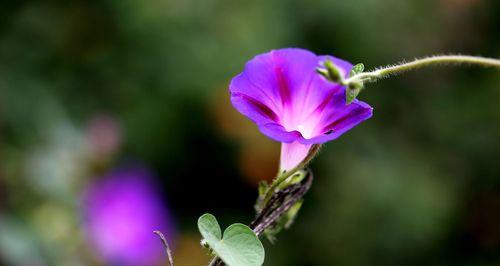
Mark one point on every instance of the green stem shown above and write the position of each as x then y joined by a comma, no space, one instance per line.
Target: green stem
377,74
215,261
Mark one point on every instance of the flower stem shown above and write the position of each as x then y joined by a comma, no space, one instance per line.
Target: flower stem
281,201
167,247
215,261
383,72
283,176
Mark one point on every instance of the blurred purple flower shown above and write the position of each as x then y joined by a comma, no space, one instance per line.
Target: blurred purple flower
121,212
281,92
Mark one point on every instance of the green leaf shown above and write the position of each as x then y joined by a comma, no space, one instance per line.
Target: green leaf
358,68
239,246
209,227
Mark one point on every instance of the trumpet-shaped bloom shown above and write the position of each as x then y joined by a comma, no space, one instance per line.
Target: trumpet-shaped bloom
121,212
282,93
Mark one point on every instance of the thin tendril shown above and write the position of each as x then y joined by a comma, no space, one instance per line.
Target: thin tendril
167,247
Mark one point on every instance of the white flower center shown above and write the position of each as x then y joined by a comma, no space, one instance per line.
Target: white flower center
305,132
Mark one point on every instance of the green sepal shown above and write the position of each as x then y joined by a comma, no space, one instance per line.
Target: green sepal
358,68
352,91
334,73
263,187
323,72
293,179
291,214
284,222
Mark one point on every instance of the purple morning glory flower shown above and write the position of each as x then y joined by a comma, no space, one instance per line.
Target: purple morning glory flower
121,212
282,93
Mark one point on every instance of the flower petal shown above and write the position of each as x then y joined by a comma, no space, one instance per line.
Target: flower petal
279,133
344,66
338,118
276,80
282,93
254,109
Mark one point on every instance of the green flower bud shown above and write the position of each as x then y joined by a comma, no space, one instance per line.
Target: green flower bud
334,74
323,72
352,91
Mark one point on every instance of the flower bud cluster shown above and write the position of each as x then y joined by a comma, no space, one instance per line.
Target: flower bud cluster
333,74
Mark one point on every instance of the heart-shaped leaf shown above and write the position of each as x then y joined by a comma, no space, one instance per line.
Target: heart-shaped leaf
239,246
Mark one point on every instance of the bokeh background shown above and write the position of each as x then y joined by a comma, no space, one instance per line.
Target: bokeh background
115,120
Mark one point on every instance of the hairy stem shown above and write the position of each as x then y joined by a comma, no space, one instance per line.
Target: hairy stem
279,204
377,74
216,261
167,247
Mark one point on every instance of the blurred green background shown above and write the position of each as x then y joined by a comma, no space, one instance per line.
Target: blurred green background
86,86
